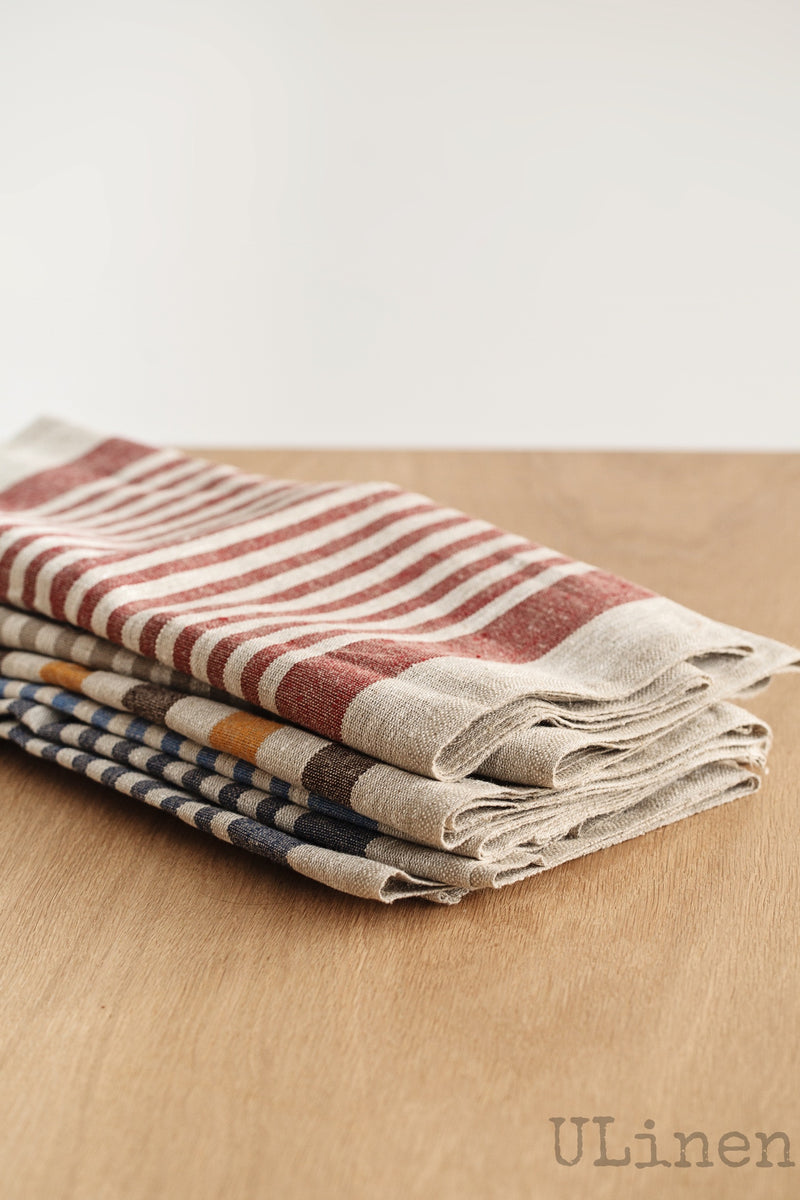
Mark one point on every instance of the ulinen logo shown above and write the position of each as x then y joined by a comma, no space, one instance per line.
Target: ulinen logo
733,1149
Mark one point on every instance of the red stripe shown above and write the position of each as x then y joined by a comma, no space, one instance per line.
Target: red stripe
436,591
142,521
9,557
414,571
223,586
111,455
102,546
249,509
188,637
65,578
106,483
544,620
142,485
87,529
222,650
113,548
317,692
110,486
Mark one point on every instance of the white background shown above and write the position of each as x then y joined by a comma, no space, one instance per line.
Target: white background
403,222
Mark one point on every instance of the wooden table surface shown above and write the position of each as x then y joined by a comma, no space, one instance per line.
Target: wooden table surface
180,1019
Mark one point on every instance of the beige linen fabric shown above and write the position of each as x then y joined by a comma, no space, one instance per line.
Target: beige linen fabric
392,697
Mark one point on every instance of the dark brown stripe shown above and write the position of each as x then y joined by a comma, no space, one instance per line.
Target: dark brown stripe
151,701
333,771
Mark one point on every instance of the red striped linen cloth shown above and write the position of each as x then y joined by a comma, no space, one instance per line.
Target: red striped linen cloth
398,633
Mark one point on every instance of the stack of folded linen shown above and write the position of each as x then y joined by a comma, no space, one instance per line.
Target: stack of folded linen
386,695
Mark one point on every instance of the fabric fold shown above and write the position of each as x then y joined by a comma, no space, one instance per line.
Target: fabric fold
368,615
359,860
478,817
385,694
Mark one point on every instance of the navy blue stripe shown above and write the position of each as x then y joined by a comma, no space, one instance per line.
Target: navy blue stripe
204,816
332,809
171,742
20,734
111,774
88,738
279,787
243,772
266,810
243,832
335,835
260,839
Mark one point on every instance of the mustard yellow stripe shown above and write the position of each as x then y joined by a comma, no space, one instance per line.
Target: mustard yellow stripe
64,674
241,734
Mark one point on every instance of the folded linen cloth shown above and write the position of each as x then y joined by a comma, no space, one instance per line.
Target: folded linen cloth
368,614
316,837
472,816
397,647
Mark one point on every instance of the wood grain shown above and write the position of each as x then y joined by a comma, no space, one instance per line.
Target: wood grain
179,1019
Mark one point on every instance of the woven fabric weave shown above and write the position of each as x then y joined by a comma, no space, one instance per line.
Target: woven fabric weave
477,706
230,799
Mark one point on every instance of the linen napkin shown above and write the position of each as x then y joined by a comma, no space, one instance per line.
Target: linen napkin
481,817
331,842
458,691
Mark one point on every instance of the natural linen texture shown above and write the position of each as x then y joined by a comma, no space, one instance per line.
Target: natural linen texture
482,705
118,743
